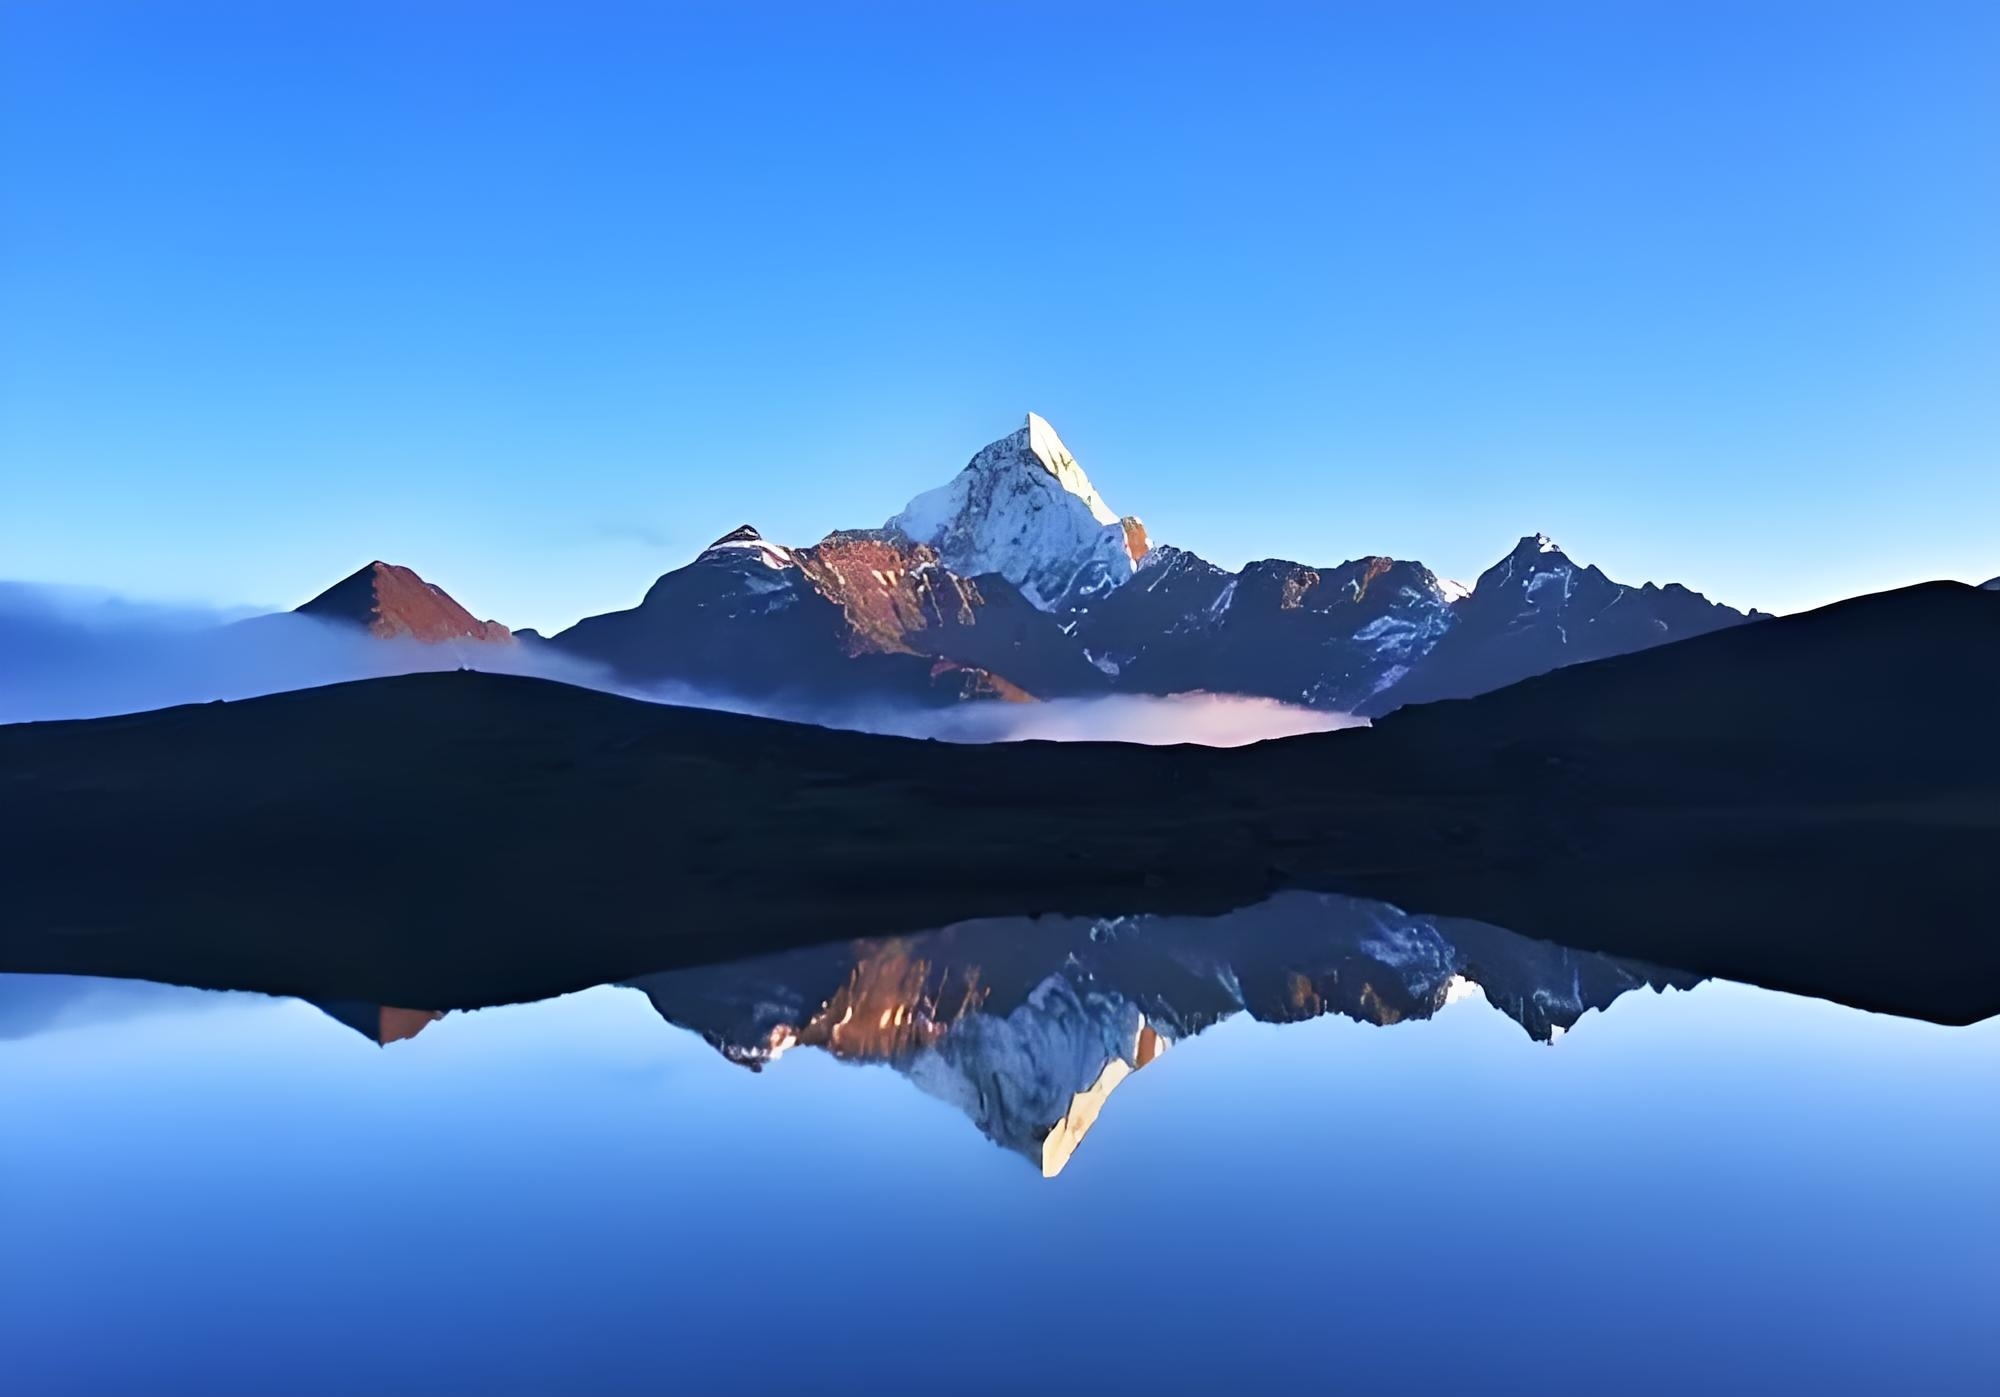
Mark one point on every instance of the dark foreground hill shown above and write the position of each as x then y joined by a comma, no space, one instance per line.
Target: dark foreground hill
1811,803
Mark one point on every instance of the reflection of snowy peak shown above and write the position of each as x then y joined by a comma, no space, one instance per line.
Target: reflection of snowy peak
1027,1024
1023,508
1034,1079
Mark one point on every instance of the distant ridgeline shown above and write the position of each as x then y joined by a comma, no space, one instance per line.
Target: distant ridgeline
1016,581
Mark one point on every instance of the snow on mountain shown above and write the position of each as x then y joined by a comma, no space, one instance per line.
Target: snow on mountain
1993,586
744,544
1325,637
1023,508
1536,610
1016,579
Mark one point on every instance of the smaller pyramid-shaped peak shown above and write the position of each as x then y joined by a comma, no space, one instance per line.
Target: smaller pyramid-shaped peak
353,598
390,601
1536,554
745,542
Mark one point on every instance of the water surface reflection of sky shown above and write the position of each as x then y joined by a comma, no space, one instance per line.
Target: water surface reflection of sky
1718,1188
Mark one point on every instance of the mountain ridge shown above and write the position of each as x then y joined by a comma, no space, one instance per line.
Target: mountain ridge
1017,580
1021,528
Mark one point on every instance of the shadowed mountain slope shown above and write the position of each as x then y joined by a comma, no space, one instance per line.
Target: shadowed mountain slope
1535,611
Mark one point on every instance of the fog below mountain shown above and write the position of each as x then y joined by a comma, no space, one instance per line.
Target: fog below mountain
72,653
1212,720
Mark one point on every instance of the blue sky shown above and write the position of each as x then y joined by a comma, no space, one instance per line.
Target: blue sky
538,299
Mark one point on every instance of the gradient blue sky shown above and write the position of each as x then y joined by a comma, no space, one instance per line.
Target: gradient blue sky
538,299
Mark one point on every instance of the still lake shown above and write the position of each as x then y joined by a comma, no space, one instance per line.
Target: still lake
1312,1147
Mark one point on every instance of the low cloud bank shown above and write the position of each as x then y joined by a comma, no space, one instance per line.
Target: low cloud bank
69,654
1211,720
66,653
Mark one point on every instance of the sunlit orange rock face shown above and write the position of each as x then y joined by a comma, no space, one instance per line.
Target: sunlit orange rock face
1136,542
892,592
1374,568
897,598
391,601
894,1002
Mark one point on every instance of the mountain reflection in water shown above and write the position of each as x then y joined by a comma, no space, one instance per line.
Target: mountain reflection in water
209,1189
1027,1025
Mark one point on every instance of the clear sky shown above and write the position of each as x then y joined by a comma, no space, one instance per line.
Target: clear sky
539,299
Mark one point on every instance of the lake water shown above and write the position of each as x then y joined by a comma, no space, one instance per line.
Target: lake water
1314,1146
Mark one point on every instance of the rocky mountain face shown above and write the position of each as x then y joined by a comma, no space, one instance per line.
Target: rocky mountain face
1027,1024
1015,580
861,615
1324,637
392,601
1534,611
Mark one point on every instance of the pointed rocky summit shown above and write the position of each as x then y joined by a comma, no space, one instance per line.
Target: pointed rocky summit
391,601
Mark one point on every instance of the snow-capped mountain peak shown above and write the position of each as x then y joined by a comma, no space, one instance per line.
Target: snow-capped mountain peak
1023,507
1045,446
745,543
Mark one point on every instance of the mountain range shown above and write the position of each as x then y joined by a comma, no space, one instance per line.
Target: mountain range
1016,581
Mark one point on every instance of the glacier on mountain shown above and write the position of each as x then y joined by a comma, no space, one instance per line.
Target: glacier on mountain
1023,508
